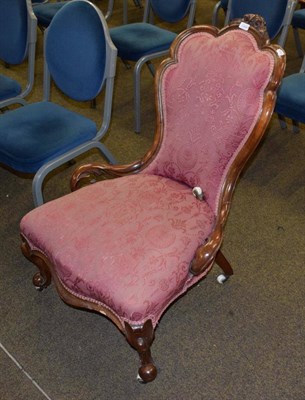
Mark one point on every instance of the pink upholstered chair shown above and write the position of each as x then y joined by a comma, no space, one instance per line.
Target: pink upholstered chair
128,247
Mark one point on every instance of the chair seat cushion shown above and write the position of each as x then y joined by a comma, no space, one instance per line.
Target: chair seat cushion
298,19
136,40
34,134
291,97
45,12
126,243
8,88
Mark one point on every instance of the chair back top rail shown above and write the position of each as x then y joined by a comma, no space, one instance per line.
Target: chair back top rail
277,13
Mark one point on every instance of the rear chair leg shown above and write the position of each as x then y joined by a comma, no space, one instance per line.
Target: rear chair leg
225,266
141,339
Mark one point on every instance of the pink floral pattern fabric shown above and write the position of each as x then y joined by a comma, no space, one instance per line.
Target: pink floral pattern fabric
126,243
211,100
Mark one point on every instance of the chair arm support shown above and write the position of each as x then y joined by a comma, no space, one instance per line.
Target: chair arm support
205,255
89,172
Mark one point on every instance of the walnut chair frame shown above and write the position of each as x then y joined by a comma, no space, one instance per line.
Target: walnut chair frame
141,335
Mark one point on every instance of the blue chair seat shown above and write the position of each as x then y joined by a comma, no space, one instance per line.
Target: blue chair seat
48,130
291,99
9,88
298,19
45,12
134,41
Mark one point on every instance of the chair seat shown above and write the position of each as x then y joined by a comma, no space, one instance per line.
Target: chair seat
134,41
45,12
136,269
9,88
298,19
291,98
48,130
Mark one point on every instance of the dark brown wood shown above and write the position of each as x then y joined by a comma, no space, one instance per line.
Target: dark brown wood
43,278
141,339
224,264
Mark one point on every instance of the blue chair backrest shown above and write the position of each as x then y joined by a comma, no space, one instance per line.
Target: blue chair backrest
273,12
13,31
169,10
75,50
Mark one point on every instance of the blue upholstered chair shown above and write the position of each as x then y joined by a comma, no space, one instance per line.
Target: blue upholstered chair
298,22
18,26
142,42
277,13
291,99
220,5
46,11
81,59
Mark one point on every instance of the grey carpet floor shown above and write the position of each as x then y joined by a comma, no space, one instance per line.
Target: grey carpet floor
240,341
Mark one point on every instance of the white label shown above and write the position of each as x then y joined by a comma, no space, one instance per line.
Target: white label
280,52
244,26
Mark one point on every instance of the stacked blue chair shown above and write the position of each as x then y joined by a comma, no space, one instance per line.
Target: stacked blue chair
46,11
18,31
142,42
81,59
277,14
291,99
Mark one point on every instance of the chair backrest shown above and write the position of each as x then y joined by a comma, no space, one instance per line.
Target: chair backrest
79,54
170,11
211,100
275,12
17,30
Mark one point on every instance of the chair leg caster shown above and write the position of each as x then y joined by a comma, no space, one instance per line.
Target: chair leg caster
40,282
222,278
147,373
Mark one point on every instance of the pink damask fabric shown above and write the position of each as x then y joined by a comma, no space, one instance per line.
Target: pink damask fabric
211,100
126,243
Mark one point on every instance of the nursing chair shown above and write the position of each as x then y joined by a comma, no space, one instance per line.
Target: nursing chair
291,99
129,246
81,59
142,42
277,14
18,31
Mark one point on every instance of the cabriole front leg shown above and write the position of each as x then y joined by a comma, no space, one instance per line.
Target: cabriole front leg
141,339
41,279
